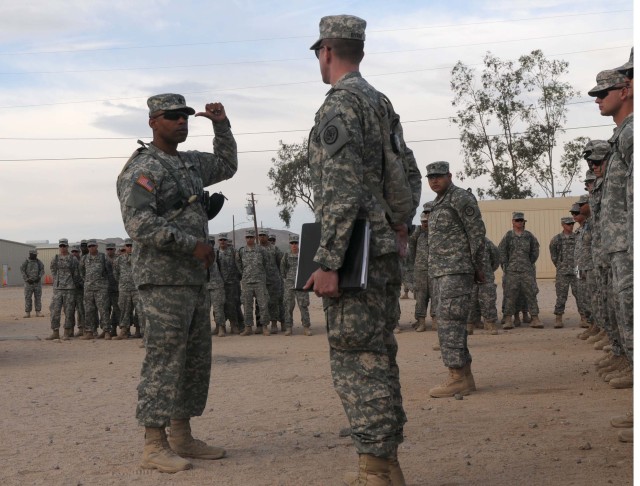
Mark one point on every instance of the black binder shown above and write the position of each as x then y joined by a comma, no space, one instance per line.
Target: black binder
353,274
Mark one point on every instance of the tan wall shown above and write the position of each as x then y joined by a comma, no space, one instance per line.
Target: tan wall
12,256
543,220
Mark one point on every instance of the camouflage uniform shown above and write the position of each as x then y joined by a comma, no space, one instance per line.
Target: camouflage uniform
279,256
79,296
563,248
231,278
518,255
456,253
154,189
114,297
252,264
93,269
408,278
419,253
66,275
583,261
288,270
128,298
273,280
32,272
484,296
215,286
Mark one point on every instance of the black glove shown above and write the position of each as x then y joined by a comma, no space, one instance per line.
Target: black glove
216,201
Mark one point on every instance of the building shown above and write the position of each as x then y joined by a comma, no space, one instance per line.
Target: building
12,255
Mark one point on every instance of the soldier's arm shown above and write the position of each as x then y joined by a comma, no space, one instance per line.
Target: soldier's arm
494,254
535,249
469,214
41,270
239,262
553,250
23,270
284,267
504,252
222,164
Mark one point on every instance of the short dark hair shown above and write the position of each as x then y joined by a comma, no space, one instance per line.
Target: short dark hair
351,50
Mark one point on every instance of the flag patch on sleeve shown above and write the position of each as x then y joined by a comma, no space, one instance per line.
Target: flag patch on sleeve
146,183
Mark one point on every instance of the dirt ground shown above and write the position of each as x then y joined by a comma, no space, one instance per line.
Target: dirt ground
540,415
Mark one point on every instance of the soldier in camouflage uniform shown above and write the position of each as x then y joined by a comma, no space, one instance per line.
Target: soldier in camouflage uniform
484,296
32,270
519,251
215,286
66,276
580,257
407,276
614,96
226,257
456,260
279,256
129,300
345,156
253,262
288,270
164,209
78,302
273,279
114,308
562,249
94,272
419,253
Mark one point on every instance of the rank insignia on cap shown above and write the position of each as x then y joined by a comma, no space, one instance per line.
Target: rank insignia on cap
146,183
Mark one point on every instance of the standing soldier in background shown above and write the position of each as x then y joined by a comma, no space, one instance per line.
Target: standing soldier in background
273,280
484,296
562,249
114,308
519,251
129,301
253,261
279,256
408,280
419,253
584,259
215,286
78,302
288,270
84,249
32,270
456,259
226,257
93,269
66,276
165,211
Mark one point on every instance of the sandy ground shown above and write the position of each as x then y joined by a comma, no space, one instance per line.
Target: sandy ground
540,415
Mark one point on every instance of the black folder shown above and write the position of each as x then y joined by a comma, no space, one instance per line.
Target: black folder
353,274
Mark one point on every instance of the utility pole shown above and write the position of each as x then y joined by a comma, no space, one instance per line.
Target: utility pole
253,211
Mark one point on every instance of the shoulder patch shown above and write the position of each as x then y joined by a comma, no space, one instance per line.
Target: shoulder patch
334,136
146,183
469,211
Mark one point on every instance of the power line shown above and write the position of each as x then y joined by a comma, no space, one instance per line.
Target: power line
236,41
274,150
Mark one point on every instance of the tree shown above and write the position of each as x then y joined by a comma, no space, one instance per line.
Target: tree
524,106
291,178
571,162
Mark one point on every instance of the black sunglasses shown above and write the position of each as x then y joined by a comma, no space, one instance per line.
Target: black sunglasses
519,220
574,213
605,92
317,51
597,162
174,115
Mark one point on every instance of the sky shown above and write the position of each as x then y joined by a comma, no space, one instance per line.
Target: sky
75,76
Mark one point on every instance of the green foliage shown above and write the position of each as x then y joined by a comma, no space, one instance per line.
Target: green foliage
291,178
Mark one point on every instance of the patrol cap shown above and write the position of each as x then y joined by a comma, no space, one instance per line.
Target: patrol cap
340,27
75,248
596,150
33,252
427,207
223,236
128,241
294,238
575,208
250,232
63,241
567,220
168,102
439,167
584,198
83,242
627,65
272,236
517,215
590,176
111,246
92,242
605,80
262,232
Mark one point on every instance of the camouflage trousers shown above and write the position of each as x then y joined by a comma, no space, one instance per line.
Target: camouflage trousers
452,295
114,308
292,296
563,283
273,291
96,310
608,322
128,302
408,280
174,380
483,303
34,290
259,292
422,294
516,282
232,303
217,298
62,298
362,355
622,284
583,299
79,307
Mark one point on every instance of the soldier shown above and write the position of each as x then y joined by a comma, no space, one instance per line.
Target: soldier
562,248
129,300
419,253
226,257
408,278
84,250
456,259
93,269
253,262
78,302
165,211
519,251
614,96
32,270
584,260
114,308
345,156
279,256
288,270
272,277
66,276
484,296
215,286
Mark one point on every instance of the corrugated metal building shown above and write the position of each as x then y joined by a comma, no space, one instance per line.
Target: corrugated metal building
543,220
12,255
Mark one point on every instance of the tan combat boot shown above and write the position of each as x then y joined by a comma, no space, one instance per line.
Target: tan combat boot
434,323
490,325
233,328
508,322
123,334
307,331
247,331
456,384
39,314
558,323
137,334
79,332
274,327
586,333
596,337
288,332
421,324
183,443
222,331
395,471
405,296
471,382
626,435
516,320
583,321
158,455
26,315
619,373
608,355
265,330
88,334
372,471
101,335
67,334
536,323
54,335
623,421
107,336
470,329
624,381
599,345
258,329
526,317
